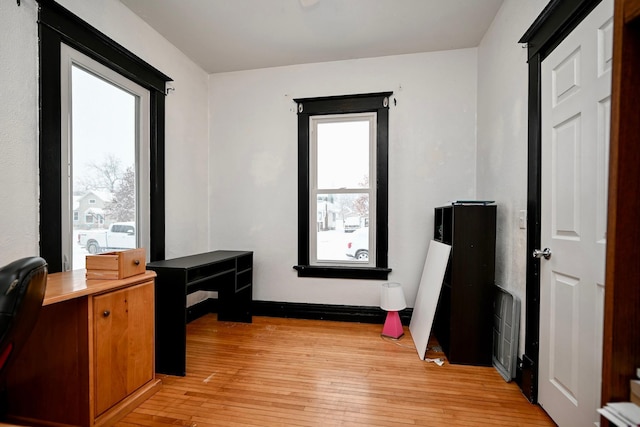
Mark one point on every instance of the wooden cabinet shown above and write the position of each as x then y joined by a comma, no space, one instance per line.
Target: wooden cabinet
123,340
464,315
90,357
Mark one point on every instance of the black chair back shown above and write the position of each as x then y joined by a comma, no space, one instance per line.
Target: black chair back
22,286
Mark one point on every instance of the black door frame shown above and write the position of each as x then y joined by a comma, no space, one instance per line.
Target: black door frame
552,26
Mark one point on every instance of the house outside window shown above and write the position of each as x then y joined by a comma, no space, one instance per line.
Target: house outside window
342,186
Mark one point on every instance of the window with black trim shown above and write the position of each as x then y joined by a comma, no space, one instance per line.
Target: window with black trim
58,27
342,186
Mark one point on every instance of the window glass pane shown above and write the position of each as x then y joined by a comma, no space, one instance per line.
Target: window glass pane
343,227
343,154
103,164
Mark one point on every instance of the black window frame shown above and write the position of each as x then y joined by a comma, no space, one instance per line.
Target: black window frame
57,25
345,104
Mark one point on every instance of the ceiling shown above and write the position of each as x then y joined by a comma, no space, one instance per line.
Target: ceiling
233,35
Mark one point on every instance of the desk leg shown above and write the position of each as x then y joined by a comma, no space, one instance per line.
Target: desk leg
171,321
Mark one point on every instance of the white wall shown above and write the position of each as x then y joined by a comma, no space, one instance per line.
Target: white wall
253,132
502,137
187,144
252,147
18,131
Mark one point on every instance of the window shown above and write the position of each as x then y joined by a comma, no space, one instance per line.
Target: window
105,145
342,186
58,27
342,165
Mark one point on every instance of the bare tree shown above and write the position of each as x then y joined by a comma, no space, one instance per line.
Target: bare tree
361,204
103,176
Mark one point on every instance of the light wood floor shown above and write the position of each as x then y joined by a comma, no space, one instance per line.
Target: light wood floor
288,372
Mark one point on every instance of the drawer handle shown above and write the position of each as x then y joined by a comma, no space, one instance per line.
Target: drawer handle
106,313
136,261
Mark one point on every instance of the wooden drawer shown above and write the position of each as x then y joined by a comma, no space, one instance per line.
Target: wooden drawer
116,265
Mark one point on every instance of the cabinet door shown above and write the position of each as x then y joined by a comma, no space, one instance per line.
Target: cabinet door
123,343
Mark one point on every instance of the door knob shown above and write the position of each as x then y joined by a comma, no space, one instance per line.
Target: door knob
545,253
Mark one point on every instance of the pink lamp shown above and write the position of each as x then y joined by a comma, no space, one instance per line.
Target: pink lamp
392,300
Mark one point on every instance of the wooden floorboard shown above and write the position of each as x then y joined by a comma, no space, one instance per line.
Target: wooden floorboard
291,372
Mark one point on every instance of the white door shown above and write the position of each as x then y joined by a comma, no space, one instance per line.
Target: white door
576,88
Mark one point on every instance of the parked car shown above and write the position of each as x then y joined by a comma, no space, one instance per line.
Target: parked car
120,235
358,244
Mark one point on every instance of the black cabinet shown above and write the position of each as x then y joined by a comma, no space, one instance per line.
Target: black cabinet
463,319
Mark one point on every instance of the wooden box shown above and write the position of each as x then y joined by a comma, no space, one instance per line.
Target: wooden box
116,265
635,392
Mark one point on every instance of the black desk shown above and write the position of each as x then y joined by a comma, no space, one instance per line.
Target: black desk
230,273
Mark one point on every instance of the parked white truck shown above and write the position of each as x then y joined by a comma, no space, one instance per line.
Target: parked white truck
119,235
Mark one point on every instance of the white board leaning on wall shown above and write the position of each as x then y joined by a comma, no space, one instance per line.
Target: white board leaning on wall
428,292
